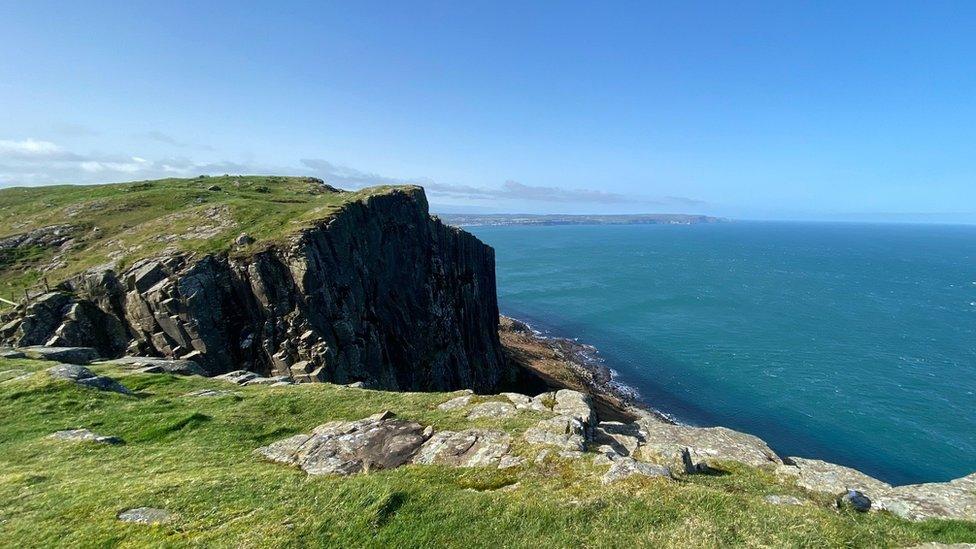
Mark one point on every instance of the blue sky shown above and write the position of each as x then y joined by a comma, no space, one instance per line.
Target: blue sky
796,110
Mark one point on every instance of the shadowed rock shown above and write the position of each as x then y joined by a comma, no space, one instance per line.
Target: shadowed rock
84,435
70,355
83,376
627,467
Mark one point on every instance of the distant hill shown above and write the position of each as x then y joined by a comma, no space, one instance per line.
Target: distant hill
463,220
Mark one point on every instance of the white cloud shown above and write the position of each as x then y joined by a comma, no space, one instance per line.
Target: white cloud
29,148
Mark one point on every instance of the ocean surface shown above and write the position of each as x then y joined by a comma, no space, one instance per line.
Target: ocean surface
852,343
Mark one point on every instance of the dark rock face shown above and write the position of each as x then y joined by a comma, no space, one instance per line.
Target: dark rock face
380,293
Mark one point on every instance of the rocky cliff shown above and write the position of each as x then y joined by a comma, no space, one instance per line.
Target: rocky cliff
379,292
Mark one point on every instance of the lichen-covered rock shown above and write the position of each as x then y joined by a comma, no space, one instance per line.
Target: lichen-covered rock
348,447
955,499
829,478
455,403
83,376
468,448
492,409
625,467
576,405
239,377
567,433
525,402
697,449
84,435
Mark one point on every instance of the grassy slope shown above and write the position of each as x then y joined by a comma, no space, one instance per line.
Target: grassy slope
194,456
133,220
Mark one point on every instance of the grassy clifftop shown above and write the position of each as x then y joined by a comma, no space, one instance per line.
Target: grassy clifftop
79,227
193,456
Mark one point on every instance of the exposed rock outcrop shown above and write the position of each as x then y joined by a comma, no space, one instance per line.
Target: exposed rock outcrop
380,292
84,435
83,376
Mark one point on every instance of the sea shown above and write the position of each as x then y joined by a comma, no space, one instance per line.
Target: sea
851,343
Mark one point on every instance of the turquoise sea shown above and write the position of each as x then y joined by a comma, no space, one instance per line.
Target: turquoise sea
852,343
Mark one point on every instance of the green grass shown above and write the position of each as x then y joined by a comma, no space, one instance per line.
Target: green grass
121,223
193,456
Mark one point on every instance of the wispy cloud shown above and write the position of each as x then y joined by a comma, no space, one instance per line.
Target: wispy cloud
167,139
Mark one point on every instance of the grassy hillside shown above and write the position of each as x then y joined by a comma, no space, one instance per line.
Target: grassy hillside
120,223
193,456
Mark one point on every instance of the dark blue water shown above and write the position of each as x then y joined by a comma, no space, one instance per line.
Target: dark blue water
845,342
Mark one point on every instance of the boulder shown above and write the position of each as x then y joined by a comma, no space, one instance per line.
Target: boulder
84,435
855,500
348,447
625,467
83,376
455,403
492,409
697,449
145,515
239,377
525,402
70,355
468,448
576,405
168,365
567,433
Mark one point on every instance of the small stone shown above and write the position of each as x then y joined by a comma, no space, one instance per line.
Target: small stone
145,515
244,239
855,500
357,385
213,188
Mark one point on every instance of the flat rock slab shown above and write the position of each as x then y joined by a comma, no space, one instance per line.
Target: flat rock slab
696,449
70,355
154,364
622,438
828,478
268,380
469,448
83,376
493,409
955,499
239,377
84,435
210,393
625,467
455,403
564,432
145,515
348,447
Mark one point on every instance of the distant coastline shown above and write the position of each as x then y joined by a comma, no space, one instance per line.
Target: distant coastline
471,220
